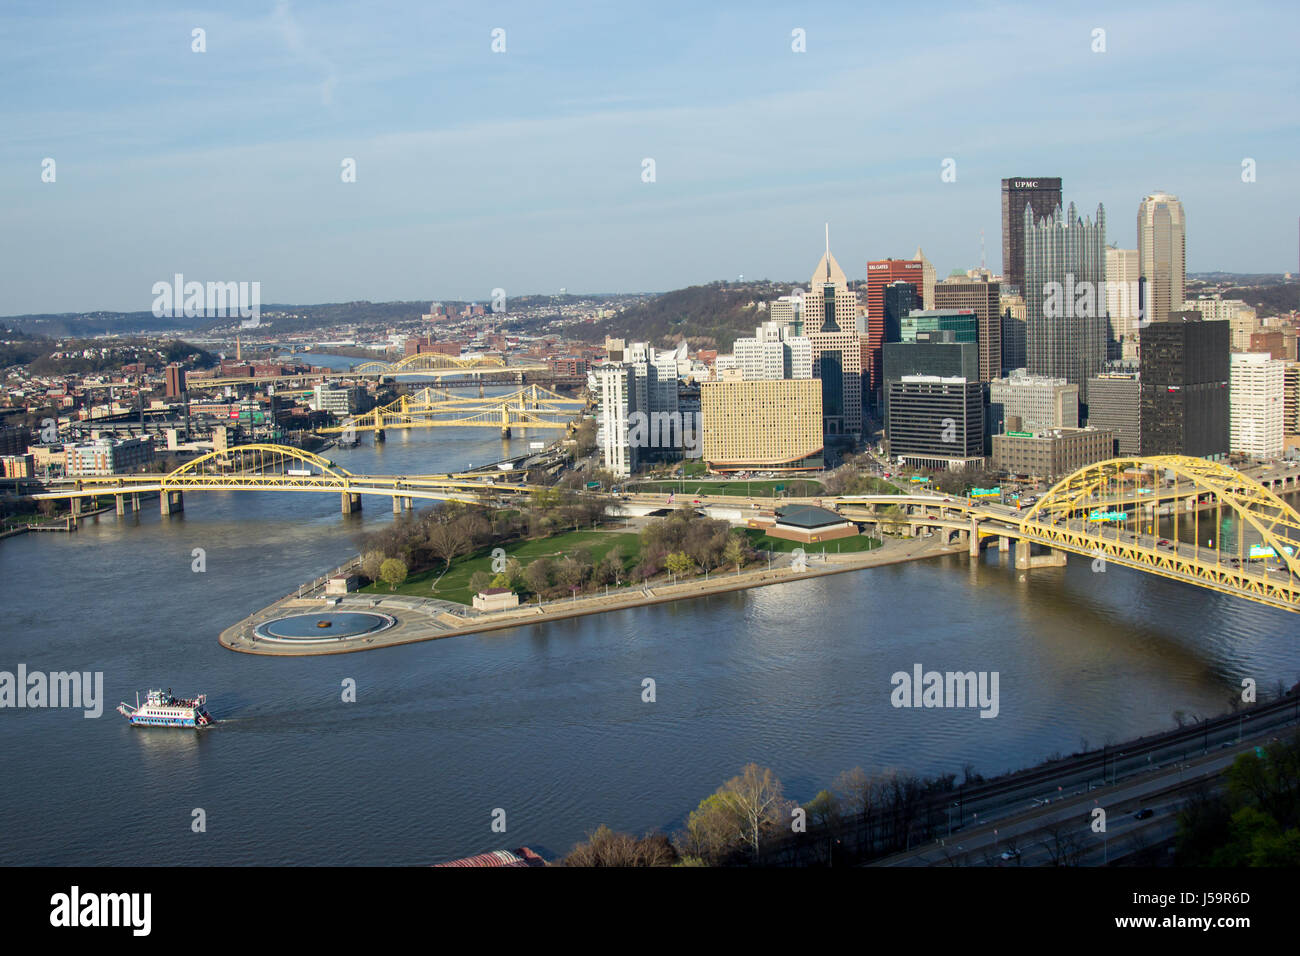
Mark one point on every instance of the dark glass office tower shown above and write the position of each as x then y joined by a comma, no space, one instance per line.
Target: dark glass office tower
1042,196
900,299
1184,386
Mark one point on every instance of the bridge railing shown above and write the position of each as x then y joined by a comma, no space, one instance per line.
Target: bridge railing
306,590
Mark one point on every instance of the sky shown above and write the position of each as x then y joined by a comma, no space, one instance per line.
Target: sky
524,170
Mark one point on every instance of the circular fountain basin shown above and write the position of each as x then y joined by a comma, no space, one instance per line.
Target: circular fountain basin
327,626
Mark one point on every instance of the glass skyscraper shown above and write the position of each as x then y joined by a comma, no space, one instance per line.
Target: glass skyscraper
1066,329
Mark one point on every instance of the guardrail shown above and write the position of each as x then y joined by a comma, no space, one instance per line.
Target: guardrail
305,590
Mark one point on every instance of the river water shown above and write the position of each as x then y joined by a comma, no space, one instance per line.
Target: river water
545,722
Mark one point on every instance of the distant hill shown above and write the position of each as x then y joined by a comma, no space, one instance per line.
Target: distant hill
717,314
1267,299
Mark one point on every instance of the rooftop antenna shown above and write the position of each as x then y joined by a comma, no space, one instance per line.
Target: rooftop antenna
828,250
981,250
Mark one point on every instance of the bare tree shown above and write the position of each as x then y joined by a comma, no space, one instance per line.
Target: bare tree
757,797
447,541
604,847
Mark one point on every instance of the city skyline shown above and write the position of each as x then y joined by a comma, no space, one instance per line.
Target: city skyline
530,179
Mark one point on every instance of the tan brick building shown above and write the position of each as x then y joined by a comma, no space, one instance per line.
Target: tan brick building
772,425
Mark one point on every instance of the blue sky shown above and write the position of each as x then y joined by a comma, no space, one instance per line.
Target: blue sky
522,170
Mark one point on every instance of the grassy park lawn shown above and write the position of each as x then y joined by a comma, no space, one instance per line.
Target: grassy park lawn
761,542
454,585
743,489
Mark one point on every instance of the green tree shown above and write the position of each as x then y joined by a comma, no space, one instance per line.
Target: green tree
680,563
479,581
512,577
735,552
392,572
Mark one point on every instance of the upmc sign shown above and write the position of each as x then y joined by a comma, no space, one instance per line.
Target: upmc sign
1024,184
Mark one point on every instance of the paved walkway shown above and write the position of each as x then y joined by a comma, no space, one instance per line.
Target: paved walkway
427,619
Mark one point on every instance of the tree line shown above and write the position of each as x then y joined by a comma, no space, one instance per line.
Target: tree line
748,821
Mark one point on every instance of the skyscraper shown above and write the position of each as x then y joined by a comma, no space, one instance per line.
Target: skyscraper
1065,302
773,353
830,322
1042,196
1256,402
900,299
982,297
1162,254
926,288
1122,300
880,274
829,304
1184,386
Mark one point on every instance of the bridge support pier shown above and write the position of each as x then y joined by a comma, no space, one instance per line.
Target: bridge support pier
973,537
351,503
505,431
1004,543
407,504
169,501
120,502
135,502
397,505
74,505
379,436
1026,560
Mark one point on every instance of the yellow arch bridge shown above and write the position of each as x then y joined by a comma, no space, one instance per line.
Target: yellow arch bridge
261,467
1186,519
530,407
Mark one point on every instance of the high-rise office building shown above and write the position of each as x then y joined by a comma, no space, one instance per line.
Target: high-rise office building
900,299
787,311
775,425
931,353
1256,405
1241,318
984,299
1065,307
1037,402
773,352
1291,403
837,362
1122,295
881,274
830,321
829,304
1184,386
1012,306
936,422
1043,196
1162,254
962,323
175,381
926,288
1114,403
